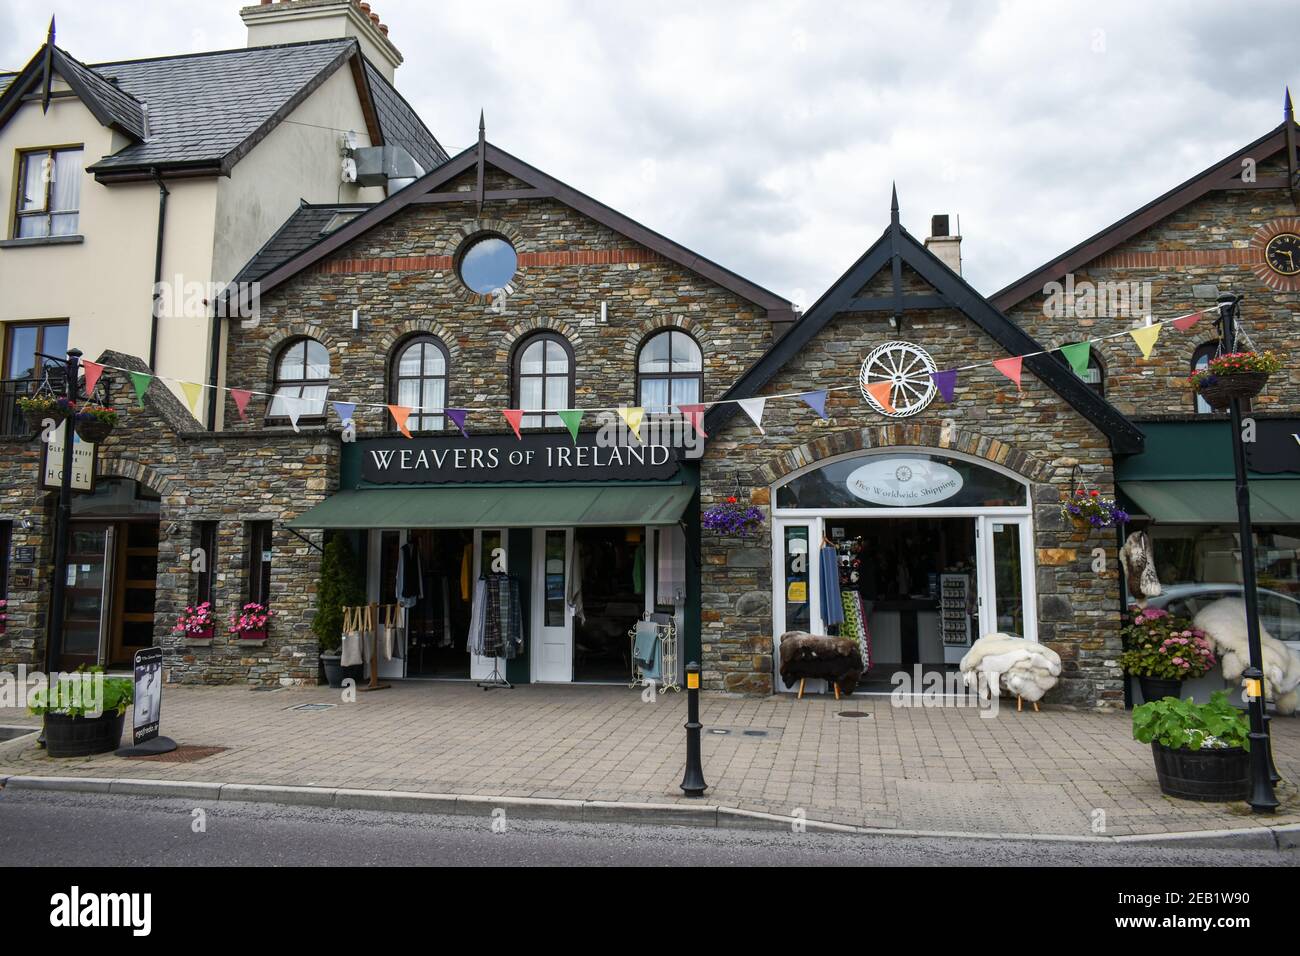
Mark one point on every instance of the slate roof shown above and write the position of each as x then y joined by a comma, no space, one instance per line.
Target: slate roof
298,232
207,110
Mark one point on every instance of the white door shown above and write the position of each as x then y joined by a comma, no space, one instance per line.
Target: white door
796,583
552,652
1006,577
490,551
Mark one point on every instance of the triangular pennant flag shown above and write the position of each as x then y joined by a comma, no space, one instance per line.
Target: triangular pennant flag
1077,354
293,407
946,383
695,415
754,409
1010,367
241,397
140,382
816,401
400,414
457,416
193,392
1187,321
881,392
632,419
1145,337
572,418
93,371
345,410
514,416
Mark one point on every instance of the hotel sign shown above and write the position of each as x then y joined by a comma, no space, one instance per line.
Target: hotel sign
83,461
456,459
905,482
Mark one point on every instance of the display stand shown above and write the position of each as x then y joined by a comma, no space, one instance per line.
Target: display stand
369,621
495,679
954,616
667,637
149,748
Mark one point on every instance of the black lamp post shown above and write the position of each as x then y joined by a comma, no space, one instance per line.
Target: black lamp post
63,518
1262,799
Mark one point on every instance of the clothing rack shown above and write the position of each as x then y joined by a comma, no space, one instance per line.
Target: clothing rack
507,614
364,619
667,638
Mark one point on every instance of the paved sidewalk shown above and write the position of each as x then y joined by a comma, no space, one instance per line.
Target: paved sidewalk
915,769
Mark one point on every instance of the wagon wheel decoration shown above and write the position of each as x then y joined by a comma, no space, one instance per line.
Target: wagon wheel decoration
907,368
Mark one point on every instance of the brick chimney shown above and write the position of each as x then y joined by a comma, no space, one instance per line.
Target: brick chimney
293,21
947,248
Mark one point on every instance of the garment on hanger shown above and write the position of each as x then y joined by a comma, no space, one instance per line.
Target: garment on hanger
832,607
444,639
466,571
638,569
670,576
410,580
502,625
648,651
477,616
574,595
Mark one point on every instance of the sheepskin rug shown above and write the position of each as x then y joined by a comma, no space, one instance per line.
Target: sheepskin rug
1224,622
1025,668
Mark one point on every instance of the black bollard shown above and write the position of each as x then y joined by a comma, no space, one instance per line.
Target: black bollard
693,784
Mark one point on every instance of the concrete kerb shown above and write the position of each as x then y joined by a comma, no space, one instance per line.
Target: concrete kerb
1285,837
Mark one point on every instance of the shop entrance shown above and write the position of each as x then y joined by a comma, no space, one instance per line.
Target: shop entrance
930,552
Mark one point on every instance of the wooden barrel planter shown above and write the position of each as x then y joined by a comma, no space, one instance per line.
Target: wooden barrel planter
1207,775
82,736
1219,390
1158,688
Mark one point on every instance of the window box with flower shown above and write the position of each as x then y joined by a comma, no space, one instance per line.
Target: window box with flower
1239,375
249,625
198,624
731,517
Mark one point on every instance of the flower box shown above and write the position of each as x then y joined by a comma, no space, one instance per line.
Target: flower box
245,637
249,624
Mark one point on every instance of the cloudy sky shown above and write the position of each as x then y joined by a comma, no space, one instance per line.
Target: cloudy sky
765,135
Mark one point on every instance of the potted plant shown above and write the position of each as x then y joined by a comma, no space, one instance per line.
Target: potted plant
1201,751
731,517
1162,650
43,405
197,623
250,622
1235,375
1089,507
340,586
94,423
79,719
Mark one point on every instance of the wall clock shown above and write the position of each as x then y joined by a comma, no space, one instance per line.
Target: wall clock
1275,254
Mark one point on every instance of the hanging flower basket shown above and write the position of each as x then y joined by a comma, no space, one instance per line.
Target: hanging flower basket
38,408
1240,375
731,517
1088,508
94,423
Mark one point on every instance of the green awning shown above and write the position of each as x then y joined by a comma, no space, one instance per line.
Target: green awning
1214,501
545,507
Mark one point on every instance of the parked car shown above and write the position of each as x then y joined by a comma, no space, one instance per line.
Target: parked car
1279,615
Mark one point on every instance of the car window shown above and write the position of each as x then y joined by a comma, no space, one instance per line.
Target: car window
1280,616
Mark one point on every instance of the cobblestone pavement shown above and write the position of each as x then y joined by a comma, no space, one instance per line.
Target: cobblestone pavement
940,769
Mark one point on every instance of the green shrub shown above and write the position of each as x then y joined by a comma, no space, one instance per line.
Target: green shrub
1182,724
73,701
340,585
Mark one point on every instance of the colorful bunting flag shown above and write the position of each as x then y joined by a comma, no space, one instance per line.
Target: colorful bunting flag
572,418
241,397
1187,321
1010,367
293,408
457,416
1077,354
882,393
632,419
345,410
93,371
140,382
695,415
946,383
1145,337
754,409
816,401
193,392
400,414
514,416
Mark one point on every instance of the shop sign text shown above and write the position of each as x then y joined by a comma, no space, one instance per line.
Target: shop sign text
904,482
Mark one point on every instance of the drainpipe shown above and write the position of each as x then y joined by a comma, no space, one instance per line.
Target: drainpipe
157,270
214,363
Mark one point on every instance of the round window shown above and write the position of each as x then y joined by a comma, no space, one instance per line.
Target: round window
488,264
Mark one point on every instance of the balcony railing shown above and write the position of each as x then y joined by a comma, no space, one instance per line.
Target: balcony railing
12,419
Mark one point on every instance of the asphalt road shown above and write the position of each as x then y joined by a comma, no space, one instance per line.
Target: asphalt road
74,829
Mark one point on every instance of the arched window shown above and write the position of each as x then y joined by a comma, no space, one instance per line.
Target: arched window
1201,358
419,381
302,374
543,378
670,371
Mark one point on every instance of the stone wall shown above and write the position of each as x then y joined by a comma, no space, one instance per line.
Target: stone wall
1206,245
231,478
1036,434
